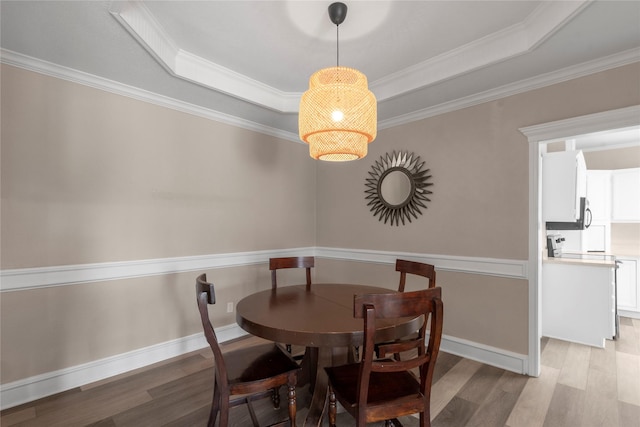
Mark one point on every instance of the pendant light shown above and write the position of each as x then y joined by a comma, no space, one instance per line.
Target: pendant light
338,114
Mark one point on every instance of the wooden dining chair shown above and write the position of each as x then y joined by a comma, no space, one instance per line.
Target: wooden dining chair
248,373
385,389
412,267
418,268
306,262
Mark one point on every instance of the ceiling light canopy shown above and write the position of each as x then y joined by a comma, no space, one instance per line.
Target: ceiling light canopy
338,114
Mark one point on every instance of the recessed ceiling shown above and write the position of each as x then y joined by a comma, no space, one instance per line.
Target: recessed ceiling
247,62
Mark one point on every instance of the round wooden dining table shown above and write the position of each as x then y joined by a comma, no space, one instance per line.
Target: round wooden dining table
320,319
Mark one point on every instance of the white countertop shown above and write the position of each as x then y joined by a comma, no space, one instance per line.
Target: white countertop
589,259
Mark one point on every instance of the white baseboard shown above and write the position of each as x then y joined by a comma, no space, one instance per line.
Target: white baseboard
39,386
500,358
627,313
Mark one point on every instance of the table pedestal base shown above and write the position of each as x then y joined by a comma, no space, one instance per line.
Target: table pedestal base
325,356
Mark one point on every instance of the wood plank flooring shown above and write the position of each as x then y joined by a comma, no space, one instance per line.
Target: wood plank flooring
579,386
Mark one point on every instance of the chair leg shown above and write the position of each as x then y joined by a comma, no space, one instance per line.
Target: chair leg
213,414
215,406
332,407
425,419
292,404
275,397
224,411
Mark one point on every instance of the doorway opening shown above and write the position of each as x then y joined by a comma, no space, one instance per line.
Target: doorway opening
538,137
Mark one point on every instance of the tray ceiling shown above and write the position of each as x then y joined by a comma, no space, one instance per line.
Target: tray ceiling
248,62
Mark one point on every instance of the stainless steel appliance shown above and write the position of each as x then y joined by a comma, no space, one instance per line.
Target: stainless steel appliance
555,242
564,190
582,223
555,249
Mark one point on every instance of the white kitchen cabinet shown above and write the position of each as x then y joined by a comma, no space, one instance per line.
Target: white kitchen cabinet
598,237
625,195
628,295
578,302
599,194
564,182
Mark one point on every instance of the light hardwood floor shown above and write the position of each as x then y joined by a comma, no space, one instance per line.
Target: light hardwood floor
579,386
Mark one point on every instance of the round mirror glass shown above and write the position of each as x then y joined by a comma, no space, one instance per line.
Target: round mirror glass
395,188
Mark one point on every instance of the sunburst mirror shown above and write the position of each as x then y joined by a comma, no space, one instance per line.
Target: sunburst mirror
397,187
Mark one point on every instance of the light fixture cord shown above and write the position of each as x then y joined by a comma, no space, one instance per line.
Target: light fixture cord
337,61
337,46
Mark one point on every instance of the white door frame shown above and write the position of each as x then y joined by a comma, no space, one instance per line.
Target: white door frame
538,136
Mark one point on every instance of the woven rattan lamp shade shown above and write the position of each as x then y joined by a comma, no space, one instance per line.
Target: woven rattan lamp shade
339,136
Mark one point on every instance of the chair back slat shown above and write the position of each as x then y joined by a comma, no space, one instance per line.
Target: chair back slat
399,346
399,365
306,262
417,268
396,305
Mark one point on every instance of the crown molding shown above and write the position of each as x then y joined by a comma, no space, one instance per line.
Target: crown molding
499,46
591,67
64,73
575,126
138,21
47,68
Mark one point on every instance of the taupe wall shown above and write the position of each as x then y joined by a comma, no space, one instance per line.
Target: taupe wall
619,158
479,161
89,176
481,309
44,330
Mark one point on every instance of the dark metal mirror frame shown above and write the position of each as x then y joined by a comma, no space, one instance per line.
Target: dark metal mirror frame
409,164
